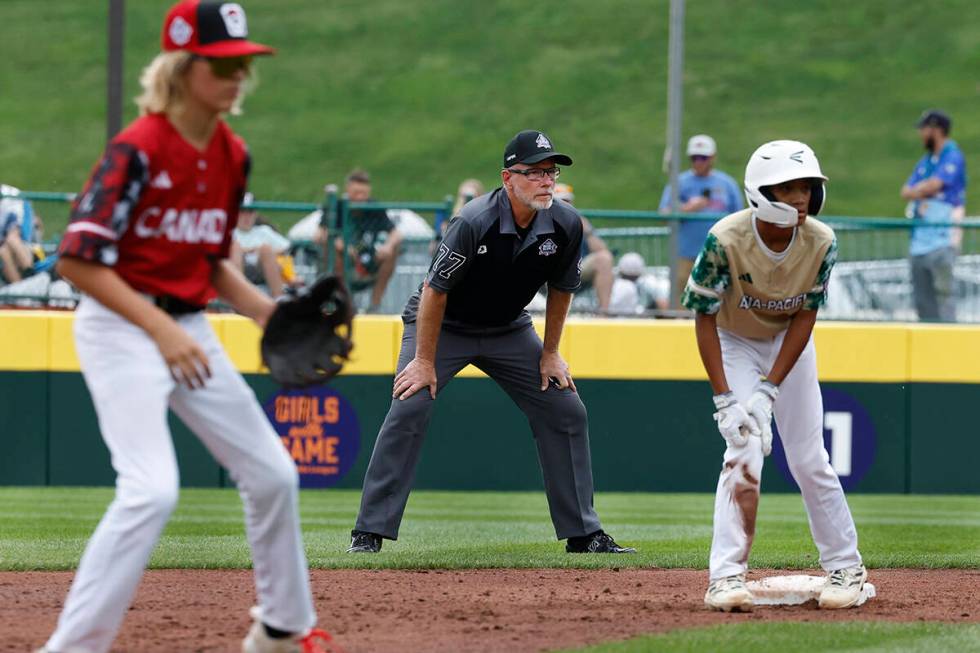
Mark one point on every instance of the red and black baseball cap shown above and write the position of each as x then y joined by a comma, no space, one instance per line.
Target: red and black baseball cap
531,146
210,29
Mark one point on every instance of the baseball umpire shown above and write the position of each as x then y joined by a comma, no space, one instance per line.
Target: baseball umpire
497,253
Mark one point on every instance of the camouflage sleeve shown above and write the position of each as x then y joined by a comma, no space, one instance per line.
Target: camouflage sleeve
100,214
817,296
709,278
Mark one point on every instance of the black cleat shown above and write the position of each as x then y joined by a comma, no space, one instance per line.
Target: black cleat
597,542
361,542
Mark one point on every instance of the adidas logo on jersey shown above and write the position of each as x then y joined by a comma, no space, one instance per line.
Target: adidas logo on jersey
162,180
482,249
746,277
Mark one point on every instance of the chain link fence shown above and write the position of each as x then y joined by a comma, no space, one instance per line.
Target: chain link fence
871,281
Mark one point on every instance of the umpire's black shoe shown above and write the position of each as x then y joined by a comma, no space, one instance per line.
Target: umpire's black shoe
362,542
597,542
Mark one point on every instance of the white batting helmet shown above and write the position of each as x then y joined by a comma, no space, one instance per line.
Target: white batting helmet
777,162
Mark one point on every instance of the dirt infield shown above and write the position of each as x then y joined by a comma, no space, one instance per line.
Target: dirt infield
460,611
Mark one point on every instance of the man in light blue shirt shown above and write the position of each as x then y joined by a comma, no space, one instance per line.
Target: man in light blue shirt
702,189
936,191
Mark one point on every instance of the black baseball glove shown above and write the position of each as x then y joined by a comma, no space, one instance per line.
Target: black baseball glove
308,337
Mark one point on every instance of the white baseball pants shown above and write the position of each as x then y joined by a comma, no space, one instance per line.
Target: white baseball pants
799,415
132,388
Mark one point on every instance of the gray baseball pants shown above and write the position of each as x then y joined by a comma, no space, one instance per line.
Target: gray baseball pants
557,418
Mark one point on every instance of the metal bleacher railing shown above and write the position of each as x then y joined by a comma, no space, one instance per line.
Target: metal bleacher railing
871,280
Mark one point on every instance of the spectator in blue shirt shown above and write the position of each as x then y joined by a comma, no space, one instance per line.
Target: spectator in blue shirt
702,189
936,192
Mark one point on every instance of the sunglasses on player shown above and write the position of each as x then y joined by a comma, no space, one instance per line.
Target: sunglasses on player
227,67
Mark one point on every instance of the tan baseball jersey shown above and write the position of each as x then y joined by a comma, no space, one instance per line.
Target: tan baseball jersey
755,291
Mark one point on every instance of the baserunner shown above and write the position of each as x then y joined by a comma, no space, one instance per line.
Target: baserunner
756,288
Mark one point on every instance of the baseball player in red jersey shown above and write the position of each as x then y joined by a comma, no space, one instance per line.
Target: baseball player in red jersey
148,245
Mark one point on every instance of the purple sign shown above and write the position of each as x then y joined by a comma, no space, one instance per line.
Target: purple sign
848,436
320,431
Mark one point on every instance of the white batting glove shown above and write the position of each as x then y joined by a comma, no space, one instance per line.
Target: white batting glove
760,407
734,422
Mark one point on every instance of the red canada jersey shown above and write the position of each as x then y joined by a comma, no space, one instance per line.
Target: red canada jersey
160,211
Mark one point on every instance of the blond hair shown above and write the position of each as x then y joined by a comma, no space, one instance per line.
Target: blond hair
468,189
163,83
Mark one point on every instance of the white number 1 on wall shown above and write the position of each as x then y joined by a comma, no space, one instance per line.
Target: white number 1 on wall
839,425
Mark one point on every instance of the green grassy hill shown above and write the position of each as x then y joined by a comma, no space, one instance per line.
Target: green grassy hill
426,92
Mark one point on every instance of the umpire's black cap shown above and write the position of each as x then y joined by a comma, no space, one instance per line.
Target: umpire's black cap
935,118
531,146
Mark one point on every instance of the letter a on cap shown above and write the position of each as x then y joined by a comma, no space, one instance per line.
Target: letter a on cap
543,142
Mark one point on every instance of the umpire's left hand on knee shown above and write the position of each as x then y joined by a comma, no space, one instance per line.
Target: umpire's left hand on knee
555,370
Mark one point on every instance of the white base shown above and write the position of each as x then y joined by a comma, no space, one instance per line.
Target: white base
795,590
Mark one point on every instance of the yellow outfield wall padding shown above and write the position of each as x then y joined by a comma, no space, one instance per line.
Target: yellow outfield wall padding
851,351
374,334
944,353
633,349
375,348
61,342
240,338
24,340
594,348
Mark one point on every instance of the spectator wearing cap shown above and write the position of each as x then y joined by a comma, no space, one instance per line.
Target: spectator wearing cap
702,189
936,192
625,292
635,290
597,260
256,248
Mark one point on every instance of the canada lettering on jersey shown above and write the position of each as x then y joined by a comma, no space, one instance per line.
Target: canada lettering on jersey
750,303
184,226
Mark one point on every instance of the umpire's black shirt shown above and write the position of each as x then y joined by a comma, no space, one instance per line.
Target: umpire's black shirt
490,273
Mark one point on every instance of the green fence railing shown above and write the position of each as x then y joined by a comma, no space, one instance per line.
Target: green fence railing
873,264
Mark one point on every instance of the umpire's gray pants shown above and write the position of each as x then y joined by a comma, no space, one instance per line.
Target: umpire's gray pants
557,418
932,285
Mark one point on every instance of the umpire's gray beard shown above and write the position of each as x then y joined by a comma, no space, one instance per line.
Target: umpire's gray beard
541,205
532,201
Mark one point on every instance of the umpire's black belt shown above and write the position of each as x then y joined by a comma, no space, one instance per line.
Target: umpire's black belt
174,305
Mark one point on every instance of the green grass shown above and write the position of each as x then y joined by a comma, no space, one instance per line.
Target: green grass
426,92
46,528
805,638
